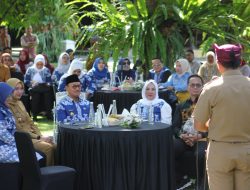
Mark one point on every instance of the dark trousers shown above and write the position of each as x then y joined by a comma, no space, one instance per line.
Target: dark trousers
42,98
190,160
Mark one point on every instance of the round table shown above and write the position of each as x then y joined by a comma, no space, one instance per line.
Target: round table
125,99
115,158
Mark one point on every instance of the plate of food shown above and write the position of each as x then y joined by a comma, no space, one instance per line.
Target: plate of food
115,119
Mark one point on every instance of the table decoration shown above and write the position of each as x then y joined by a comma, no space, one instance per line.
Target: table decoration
131,121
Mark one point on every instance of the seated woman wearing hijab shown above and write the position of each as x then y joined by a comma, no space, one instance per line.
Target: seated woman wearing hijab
25,123
209,69
71,54
124,72
161,110
8,151
99,73
88,85
178,80
47,64
23,62
62,68
38,79
7,60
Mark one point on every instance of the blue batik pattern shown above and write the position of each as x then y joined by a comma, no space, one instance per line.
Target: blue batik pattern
45,75
56,76
88,85
143,111
99,82
70,111
8,151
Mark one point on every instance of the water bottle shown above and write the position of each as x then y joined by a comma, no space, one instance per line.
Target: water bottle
99,119
91,114
96,119
114,109
150,115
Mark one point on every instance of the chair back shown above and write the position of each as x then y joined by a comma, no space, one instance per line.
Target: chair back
59,96
28,162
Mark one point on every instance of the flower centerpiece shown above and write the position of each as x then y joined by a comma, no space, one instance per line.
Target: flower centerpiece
138,85
131,121
126,85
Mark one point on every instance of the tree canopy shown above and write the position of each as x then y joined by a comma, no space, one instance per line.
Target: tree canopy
149,27
163,27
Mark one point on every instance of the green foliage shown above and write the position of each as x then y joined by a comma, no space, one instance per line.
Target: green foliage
56,27
163,31
51,20
45,126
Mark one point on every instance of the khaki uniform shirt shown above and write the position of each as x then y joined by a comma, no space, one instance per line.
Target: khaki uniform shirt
226,102
23,120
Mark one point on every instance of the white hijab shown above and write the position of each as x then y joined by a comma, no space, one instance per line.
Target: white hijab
39,58
37,77
185,67
63,68
208,54
75,65
144,99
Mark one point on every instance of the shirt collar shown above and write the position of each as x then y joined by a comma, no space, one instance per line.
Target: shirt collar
232,72
70,99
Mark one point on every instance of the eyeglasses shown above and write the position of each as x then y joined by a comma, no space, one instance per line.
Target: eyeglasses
76,86
126,63
156,65
195,85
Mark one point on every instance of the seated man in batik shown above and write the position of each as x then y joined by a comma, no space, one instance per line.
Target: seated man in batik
72,108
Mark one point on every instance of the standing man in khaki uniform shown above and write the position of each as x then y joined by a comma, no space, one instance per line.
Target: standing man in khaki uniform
223,111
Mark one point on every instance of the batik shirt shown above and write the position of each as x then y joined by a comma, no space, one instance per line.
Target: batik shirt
30,73
88,85
8,151
99,82
158,109
183,113
70,111
56,76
